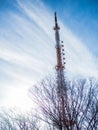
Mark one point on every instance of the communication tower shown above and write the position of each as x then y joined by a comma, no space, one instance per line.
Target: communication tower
60,59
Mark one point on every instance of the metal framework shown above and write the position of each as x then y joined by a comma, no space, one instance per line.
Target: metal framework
60,58
61,84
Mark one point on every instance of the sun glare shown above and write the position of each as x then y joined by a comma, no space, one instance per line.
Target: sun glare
18,98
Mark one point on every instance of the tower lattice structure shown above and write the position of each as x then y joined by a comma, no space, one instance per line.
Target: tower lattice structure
64,120
60,59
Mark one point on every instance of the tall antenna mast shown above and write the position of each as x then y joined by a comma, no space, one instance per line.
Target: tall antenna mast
64,119
60,58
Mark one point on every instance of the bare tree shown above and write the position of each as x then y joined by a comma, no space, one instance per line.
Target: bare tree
10,120
75,109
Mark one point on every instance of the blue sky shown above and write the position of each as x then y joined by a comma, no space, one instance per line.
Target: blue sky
81,16
27,43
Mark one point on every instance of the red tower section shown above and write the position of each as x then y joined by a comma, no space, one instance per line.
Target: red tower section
59,47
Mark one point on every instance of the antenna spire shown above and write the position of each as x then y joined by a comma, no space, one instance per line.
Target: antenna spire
55,18
56,24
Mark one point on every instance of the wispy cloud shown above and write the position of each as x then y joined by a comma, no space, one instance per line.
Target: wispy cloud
27,48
